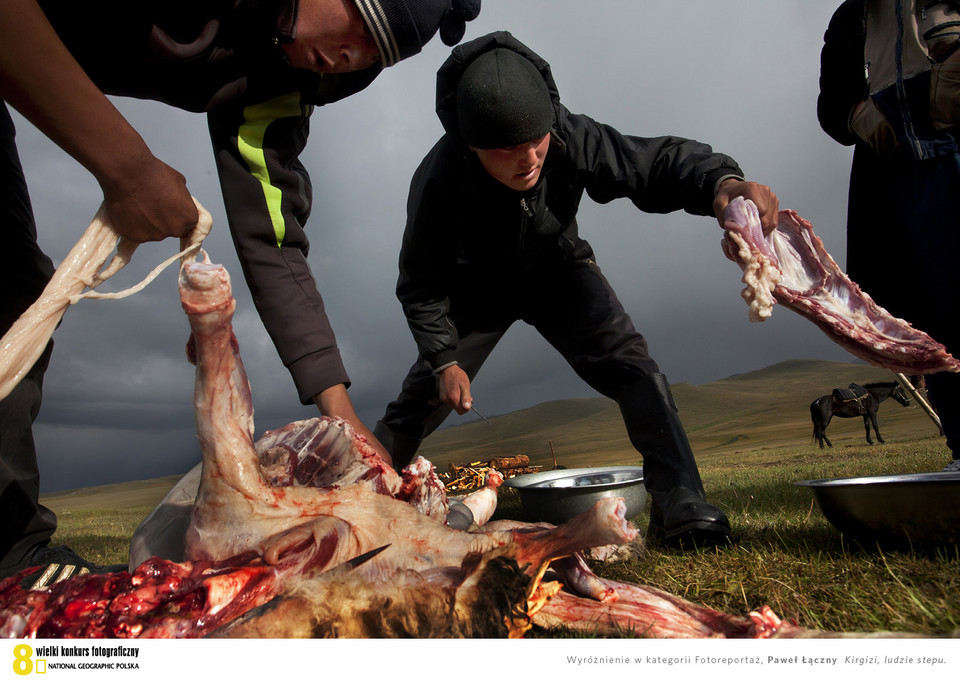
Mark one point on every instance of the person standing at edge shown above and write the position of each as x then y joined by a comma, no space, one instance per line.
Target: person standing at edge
890,86
257,68
491,238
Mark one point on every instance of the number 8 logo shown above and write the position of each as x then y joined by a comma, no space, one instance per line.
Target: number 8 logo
22,665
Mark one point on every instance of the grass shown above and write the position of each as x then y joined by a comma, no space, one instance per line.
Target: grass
101,535
785,555
752,435
788,556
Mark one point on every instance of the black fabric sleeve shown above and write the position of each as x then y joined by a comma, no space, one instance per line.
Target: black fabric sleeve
428,260
268,195
843,83
659,174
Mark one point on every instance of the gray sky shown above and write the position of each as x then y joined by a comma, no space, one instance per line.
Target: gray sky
740,75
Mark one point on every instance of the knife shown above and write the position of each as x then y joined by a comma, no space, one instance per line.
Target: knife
482,417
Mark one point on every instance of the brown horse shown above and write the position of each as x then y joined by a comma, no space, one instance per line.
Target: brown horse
829,405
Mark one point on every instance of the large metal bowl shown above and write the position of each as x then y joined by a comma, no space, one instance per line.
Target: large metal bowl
914,510
557,495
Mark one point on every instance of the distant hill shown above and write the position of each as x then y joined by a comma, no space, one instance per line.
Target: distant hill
761,409
145,492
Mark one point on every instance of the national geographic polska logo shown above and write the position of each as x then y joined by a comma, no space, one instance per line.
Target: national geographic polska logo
27,660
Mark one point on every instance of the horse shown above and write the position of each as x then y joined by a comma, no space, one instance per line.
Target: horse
829,405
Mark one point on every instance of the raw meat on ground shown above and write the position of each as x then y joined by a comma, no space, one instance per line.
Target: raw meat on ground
309,533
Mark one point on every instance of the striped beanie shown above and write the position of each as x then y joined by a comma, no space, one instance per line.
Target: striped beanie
401,28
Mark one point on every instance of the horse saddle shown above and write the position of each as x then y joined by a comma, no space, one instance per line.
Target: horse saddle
853,392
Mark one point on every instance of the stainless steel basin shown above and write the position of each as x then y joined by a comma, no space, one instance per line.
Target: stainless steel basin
920,510
557,495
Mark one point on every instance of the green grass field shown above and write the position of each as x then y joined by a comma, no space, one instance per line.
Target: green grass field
752,435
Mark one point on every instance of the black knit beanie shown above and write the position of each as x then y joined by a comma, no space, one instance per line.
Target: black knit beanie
401,28
502,101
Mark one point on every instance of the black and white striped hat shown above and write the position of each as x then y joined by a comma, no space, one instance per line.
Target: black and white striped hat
401,28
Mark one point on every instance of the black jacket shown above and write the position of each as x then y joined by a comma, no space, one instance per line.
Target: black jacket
842,81
222,57
462,224
908,121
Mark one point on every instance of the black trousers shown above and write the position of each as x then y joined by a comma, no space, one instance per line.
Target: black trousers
903,248
571,304
24,271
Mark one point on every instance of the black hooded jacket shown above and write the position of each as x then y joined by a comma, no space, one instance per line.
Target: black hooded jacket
464,225
223,58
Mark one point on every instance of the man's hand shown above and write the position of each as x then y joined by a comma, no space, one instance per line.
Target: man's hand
145,199
151,204
454,386
763,197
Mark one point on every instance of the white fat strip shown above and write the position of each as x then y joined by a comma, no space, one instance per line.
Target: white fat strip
82,268
760,277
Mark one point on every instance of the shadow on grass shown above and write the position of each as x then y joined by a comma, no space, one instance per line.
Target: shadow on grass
805,540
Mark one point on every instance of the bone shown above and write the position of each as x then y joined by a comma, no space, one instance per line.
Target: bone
791,266
483,502
366,553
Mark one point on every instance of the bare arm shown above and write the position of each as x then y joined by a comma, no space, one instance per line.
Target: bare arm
335,402
146,199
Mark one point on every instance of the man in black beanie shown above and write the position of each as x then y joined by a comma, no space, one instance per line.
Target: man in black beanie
257,69
491,238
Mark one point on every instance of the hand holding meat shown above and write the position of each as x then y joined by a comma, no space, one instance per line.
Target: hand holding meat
792,267
762,196
306,532
151,204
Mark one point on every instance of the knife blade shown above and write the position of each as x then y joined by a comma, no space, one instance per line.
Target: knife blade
482,417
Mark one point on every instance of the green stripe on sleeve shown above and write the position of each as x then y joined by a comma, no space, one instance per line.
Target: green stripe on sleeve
257,118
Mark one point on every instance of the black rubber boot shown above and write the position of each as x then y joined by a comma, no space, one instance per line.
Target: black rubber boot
684,519
680,515
402,448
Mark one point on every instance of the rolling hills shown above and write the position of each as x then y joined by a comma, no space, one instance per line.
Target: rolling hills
761,409
766,408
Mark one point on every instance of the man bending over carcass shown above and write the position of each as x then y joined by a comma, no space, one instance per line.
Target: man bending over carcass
491,238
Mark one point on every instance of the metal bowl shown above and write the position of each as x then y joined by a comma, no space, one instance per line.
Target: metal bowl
915,510
557,495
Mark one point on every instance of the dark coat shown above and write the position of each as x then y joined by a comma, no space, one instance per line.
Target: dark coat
463,226
223,57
